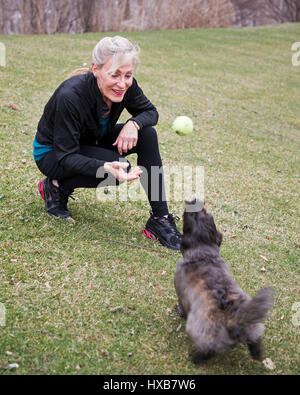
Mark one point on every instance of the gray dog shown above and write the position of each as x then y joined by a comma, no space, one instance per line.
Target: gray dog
219,314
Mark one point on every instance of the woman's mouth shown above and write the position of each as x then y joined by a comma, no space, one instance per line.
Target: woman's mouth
118,92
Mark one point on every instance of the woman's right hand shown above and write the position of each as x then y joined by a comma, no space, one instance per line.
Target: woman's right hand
116,169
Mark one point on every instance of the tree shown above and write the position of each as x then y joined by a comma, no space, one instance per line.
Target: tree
282,10
259,12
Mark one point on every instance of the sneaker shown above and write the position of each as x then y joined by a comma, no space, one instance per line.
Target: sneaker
163,229
56,199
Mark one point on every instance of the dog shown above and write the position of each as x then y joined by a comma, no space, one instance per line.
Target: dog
219,314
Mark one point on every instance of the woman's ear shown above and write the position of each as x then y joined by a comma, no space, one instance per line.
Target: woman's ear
95,69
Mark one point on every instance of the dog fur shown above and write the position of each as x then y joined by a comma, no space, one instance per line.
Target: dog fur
219,314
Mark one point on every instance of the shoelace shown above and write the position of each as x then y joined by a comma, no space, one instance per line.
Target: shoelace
72,196
172,220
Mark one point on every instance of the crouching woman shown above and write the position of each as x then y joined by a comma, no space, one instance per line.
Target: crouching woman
78,133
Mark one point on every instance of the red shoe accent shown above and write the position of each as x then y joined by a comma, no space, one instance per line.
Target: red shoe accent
148,234
41,189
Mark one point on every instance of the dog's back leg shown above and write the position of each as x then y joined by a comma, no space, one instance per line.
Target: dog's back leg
200,357
256,349
180,310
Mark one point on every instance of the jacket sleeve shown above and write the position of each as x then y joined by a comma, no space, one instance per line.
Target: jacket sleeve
67,126
142,110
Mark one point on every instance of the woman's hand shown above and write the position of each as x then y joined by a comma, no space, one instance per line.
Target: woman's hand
116,169
127,138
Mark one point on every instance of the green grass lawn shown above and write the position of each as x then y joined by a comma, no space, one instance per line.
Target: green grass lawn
77,303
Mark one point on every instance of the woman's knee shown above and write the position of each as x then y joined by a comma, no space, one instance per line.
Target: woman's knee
148,135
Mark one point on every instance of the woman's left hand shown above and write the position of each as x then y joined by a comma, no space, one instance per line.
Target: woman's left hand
127,138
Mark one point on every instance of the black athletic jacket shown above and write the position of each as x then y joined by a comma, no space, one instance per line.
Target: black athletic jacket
72,118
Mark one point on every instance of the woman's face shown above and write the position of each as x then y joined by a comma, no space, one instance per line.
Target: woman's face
113,85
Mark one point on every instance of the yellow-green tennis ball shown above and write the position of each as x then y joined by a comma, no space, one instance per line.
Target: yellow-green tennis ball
183,125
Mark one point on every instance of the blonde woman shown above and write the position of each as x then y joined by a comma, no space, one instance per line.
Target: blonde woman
78,134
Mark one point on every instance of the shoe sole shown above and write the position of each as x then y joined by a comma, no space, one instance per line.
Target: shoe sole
148,234
41,190
59,216
152,236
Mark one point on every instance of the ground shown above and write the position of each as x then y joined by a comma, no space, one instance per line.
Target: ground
79,302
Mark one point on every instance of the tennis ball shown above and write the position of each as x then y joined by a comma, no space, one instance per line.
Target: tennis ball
183,125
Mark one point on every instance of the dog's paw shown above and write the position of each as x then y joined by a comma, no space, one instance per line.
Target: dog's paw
201,358
256,350
180,311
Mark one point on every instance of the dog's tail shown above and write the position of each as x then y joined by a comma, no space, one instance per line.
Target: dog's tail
256,310
252,312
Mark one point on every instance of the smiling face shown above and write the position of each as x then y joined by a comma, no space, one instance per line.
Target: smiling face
113,84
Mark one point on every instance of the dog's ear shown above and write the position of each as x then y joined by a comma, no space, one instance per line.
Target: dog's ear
219,238
215,236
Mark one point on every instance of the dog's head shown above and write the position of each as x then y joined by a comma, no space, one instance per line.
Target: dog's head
198,227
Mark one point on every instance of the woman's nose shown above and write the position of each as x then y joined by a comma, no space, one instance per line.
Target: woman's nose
121,83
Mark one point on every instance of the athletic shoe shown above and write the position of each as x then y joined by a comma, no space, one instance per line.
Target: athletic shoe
164,230
56,199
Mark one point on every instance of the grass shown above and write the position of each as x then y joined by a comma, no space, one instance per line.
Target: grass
77,303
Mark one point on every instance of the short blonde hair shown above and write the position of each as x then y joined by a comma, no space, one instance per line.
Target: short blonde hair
119,48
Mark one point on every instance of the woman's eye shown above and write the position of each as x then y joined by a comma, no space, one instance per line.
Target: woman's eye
127,76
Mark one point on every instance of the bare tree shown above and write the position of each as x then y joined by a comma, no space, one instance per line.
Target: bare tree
260,12
283,10
78,16
245,12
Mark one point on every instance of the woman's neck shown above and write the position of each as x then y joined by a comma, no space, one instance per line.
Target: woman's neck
109,104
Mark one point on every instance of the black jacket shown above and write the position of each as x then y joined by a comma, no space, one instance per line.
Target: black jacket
72,118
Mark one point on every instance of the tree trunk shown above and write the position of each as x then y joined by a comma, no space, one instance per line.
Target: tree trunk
78,16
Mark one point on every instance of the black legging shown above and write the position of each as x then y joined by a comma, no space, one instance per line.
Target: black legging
148,154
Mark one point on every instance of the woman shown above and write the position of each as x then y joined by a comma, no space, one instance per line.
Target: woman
78,134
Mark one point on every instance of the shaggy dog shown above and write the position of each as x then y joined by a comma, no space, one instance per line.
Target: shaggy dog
219,314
